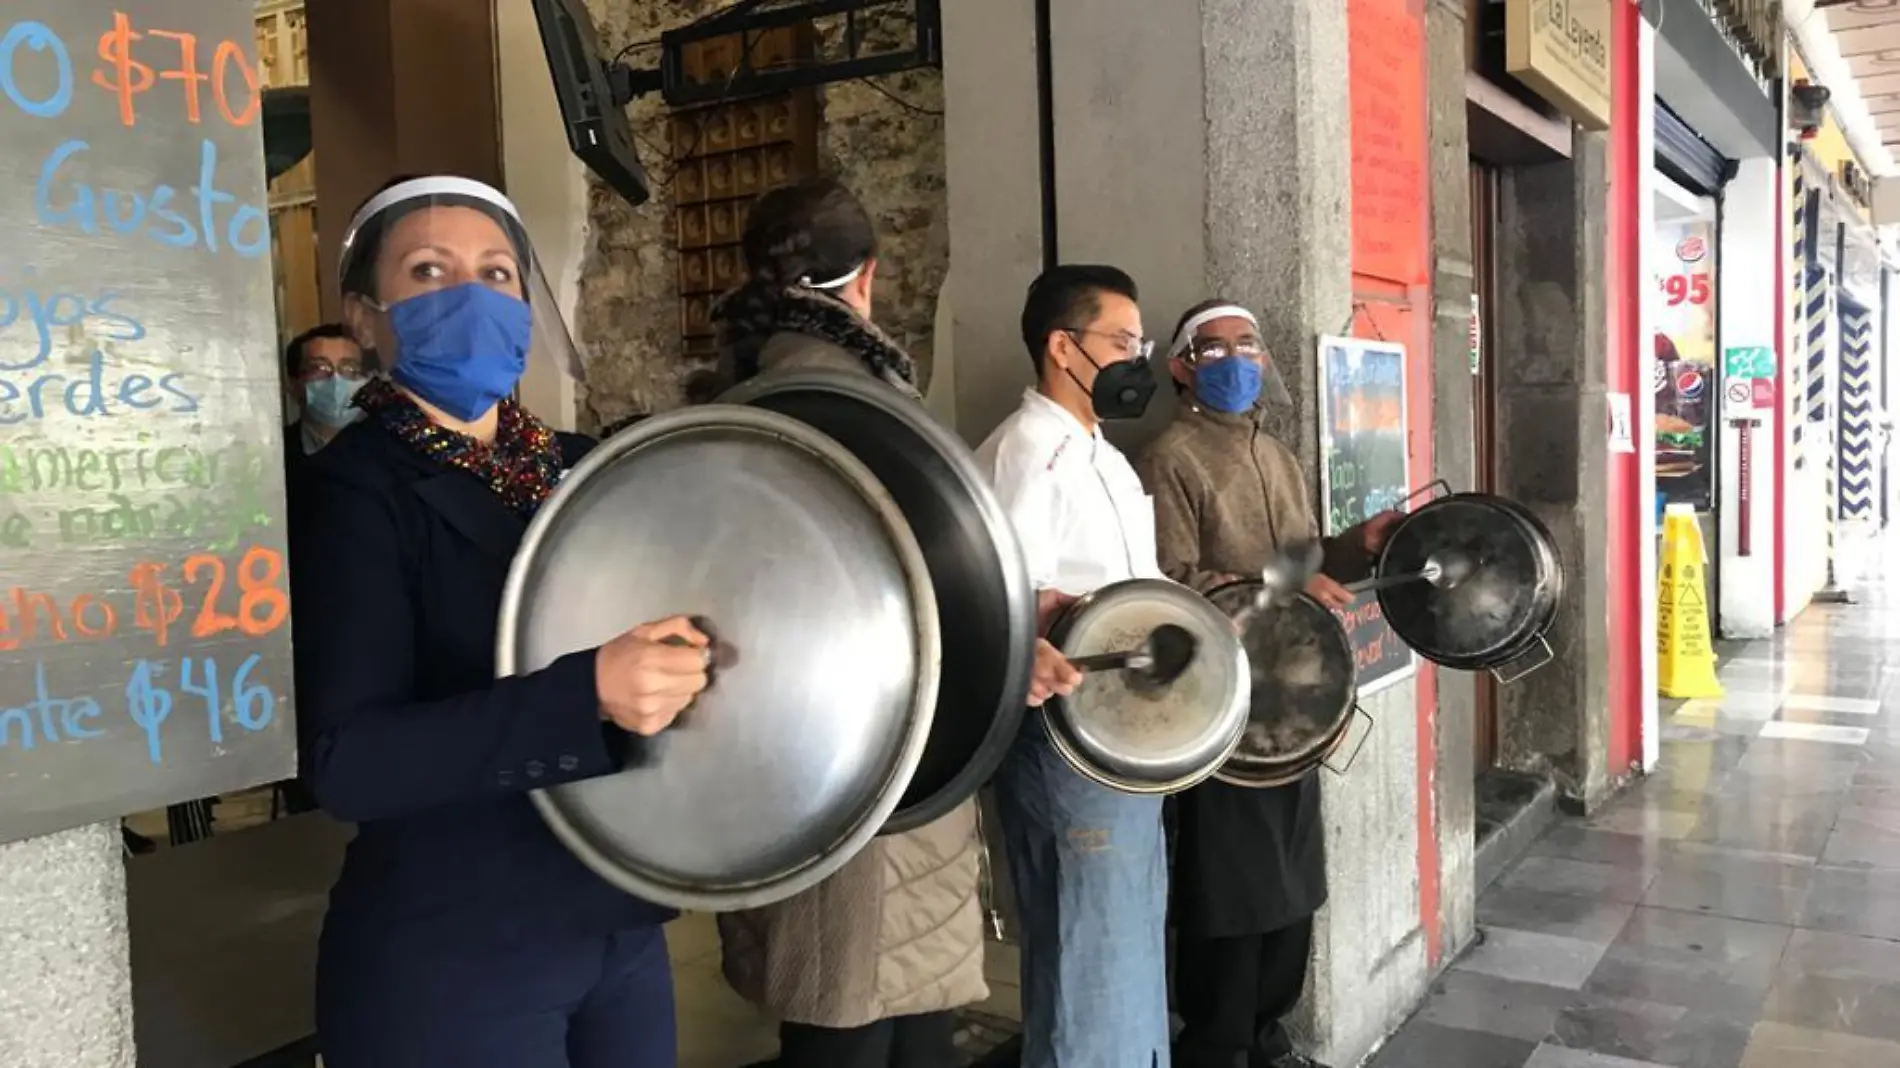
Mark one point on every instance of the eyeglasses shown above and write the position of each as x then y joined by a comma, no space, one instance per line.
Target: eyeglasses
321,371
1135,348
1215,349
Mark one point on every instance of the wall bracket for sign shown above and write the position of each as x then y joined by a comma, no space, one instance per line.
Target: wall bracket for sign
863,49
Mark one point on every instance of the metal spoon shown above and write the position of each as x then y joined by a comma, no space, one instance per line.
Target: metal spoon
1283,577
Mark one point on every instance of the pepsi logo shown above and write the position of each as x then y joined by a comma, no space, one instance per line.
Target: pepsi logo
1691,384
1692,249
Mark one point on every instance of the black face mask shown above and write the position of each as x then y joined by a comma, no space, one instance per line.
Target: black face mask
1122,389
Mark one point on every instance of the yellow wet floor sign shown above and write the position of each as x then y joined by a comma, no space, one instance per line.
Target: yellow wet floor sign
1684,657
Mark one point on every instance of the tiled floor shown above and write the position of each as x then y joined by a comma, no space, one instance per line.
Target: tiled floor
1740,908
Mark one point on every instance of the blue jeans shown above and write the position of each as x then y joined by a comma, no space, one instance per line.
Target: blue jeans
1089,869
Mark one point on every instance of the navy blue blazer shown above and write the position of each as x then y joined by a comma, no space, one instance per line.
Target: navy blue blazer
397,566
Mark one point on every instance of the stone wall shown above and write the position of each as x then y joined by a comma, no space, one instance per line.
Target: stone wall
884,140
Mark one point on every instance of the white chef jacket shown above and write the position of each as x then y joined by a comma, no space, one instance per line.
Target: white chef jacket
1078,508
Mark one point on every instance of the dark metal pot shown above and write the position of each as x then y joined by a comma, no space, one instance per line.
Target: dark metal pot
1496,614
986,610
1304,687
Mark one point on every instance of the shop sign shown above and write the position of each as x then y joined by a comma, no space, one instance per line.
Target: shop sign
1748,381
1561,48
1684,371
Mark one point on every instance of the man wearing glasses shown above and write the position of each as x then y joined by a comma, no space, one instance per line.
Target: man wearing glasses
323,369
1249,864
1087,862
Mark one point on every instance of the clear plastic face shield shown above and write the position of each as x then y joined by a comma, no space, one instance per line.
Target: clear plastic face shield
440,281
1227,332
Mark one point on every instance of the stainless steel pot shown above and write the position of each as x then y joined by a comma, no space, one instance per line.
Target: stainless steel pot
986,610
1494,615
1143,738
822,602
1304,687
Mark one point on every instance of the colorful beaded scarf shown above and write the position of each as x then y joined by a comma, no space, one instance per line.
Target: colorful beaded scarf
522,466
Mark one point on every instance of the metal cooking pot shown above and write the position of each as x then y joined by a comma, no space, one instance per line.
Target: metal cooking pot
1139,737
986,610
1496,614
1304,687
821,602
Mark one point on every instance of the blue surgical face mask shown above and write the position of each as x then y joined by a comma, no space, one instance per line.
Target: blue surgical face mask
461,349
327,400
1231,384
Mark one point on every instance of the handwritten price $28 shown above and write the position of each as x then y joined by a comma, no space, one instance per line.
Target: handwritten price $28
262,605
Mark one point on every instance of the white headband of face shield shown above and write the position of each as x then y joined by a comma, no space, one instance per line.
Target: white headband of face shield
1185,338
439,185
839,282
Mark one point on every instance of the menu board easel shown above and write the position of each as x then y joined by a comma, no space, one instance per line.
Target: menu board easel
144,618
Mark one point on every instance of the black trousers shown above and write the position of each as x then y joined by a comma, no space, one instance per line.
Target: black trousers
927,1040
1232,992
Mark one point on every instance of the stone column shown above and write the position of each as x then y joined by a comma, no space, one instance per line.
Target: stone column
1553,426
1453,426
65,958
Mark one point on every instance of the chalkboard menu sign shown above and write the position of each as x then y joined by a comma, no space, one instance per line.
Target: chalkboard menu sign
144,623
1364,470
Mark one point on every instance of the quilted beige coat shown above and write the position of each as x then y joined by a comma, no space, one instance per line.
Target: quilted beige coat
898,930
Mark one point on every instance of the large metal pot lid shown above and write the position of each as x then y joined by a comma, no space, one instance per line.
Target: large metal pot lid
1507,597
1304,682
1139,738
801,563
985,606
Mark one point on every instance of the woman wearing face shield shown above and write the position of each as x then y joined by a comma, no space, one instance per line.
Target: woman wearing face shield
864,968
461,933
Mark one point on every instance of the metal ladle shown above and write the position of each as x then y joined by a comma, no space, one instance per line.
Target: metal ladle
1442,569
1162,656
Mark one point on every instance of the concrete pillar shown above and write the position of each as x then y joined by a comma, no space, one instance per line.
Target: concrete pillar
1453,425
1554,453
1750,265
1203,145
993,181
65,958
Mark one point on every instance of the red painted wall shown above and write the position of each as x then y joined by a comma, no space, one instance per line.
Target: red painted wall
1391,251
1628,174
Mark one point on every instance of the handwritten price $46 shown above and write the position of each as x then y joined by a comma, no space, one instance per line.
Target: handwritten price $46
149,703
